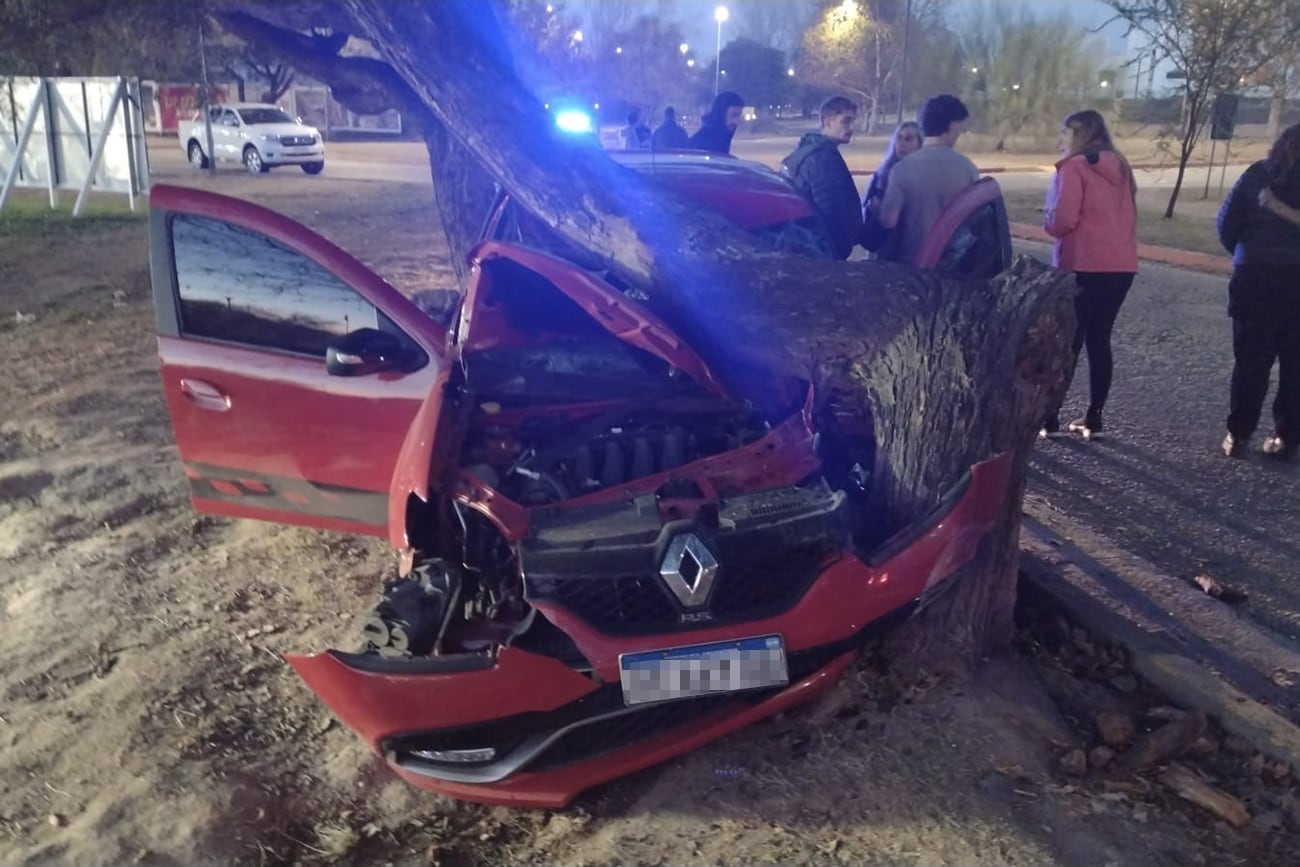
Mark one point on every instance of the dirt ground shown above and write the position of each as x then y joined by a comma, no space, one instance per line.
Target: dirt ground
146,716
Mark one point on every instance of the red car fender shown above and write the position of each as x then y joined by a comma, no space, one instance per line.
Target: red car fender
378,704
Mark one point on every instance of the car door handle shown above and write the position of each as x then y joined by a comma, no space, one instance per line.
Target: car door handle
205,395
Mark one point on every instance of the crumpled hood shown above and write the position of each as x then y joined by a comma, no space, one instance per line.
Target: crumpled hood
1104,164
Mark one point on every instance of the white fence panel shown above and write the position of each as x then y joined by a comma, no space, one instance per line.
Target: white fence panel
85,134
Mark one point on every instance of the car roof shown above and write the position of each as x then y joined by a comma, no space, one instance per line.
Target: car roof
748,193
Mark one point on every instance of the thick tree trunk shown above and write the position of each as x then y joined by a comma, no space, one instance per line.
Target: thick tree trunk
949,373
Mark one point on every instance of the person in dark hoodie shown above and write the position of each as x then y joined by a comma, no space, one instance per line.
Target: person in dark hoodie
817,169
719,125
669,136
1091,211
1258,225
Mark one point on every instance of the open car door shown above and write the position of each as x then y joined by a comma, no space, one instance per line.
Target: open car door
291,371
972,238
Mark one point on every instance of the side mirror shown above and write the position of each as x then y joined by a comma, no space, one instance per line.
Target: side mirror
362,352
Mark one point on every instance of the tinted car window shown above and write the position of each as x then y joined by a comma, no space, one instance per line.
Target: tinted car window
239,286
981,245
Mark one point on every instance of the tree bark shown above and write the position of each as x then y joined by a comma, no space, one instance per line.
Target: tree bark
949,373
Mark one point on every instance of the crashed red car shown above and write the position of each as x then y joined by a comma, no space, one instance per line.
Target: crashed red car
608,559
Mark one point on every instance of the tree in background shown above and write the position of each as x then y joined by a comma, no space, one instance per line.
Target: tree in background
1216,44
780,25
642,66
857,46
1024,73
100,37
756,71
1281,77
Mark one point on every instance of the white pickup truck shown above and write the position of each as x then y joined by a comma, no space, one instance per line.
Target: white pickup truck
258,135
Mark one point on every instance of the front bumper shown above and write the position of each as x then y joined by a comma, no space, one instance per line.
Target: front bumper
279,155
555,731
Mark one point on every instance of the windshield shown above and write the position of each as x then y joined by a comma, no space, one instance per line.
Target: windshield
264,115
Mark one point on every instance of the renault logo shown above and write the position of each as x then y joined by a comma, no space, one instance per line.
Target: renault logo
688,569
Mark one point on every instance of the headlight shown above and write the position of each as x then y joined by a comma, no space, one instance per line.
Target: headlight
269,137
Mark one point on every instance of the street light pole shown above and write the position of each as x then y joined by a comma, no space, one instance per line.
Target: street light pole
719,15
902,75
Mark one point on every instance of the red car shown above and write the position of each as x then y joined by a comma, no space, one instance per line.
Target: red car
608,559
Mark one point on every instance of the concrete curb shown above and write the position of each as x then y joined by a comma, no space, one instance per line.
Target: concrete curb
1151,253
1056,572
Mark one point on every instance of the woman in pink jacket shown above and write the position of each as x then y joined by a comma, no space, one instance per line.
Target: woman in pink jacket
1092,213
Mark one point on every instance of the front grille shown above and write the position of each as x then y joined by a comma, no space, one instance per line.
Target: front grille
750,584
297,140
603,563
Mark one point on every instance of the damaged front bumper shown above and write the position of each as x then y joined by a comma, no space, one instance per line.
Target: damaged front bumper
528,730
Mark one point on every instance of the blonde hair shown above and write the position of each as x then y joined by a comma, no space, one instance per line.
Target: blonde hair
1089,134
891,155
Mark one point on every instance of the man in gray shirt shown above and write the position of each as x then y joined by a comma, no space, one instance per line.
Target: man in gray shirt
923,183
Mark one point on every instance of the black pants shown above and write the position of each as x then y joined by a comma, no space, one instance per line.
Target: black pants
1096,307
1265,329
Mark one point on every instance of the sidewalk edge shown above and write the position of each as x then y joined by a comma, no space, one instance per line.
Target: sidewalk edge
1163,255
1155,658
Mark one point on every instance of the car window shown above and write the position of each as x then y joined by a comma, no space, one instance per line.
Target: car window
238,286
977,249
229,119
264,115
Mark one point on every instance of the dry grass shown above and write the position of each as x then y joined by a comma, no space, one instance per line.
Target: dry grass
1191,228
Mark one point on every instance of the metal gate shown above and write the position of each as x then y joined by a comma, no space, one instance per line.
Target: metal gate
72,134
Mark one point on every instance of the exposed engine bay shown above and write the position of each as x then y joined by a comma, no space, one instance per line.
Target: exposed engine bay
563,419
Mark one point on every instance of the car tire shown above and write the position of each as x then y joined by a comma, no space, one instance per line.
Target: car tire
196,157
253,162
314,168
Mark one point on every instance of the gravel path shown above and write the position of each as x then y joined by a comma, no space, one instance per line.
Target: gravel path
1157,484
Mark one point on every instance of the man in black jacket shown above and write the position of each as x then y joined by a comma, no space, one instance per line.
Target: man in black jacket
669,136
719,124
818,170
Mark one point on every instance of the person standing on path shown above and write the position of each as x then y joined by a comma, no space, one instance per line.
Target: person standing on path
907,140
922,185
1255,225
1091,211
817,169
670,136
719,124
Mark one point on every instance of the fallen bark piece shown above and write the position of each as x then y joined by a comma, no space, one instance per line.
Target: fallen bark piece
1216,590
1190,787
1100,757
1075,763
1116,728
1167,742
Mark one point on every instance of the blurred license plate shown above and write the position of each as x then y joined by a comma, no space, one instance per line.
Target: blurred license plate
701,669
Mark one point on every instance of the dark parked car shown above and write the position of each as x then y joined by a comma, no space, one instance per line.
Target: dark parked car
608,559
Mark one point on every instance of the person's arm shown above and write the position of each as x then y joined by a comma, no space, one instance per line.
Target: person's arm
1234,213
1064,202
891,206
1272,203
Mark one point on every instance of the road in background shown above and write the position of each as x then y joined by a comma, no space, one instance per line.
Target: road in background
408,162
